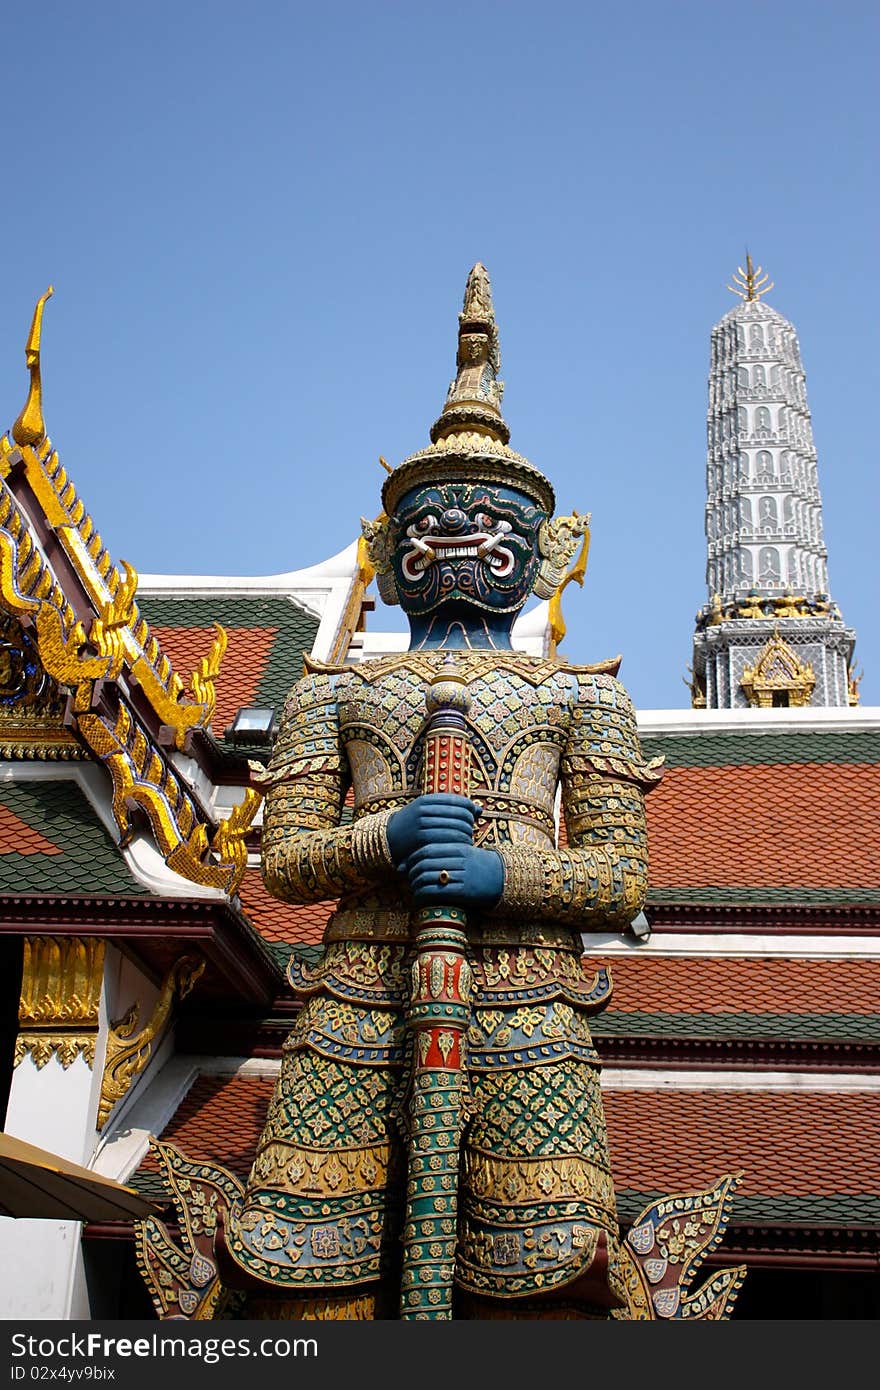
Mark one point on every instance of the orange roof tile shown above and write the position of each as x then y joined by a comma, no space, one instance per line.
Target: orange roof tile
295,924
220,1120
802,1143
17,837
672,984
243,665
797,825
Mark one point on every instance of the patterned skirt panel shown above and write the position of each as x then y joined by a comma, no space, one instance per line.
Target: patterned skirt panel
324,1201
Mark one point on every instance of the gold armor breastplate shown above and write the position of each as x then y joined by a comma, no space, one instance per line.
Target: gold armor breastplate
534,725
518,724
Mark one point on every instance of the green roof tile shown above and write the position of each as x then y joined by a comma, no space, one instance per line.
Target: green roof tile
849,1028
296,631
703,748
749,897
88,860
845,1209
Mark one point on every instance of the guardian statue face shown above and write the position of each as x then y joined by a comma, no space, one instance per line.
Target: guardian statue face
465,544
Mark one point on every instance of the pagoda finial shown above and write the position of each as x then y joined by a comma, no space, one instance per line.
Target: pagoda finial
750,284
30,427
473,403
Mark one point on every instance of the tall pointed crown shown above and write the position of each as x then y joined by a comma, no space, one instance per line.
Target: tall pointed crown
469,441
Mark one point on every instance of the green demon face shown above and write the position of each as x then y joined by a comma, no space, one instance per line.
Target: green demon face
465,544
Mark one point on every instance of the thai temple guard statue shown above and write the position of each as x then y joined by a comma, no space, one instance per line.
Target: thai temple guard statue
436,1143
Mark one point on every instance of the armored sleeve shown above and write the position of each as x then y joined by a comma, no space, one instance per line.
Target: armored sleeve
307,854
599,879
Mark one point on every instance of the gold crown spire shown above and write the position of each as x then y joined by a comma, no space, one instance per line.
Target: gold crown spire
750,284
30,427
469,442
473,401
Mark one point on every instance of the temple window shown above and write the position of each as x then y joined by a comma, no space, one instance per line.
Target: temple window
768,562
765,466
793,570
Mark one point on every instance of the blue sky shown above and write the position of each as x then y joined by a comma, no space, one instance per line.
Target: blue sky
258,221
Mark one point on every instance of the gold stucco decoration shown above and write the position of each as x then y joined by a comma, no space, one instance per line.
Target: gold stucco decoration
229,842
202,681
31,703
778,677
750,284
128,1052
30,427
571,527
143,780
60,994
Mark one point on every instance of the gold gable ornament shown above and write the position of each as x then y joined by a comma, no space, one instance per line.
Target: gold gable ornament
778,677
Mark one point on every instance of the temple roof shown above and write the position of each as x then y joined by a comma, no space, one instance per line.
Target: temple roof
267,638
761,817
282,924
748,1000
51,842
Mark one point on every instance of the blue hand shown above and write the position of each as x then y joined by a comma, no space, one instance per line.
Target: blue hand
438,819
455,874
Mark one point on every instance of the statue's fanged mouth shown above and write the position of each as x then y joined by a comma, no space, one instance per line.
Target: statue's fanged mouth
429,546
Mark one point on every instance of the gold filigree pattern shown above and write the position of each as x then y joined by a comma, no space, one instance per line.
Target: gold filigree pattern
778,677
76,653
664,1248
140,771
60,997
229,842
128,1052
32,705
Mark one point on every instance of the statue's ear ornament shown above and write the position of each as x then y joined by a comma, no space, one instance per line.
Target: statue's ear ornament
380,543
557,541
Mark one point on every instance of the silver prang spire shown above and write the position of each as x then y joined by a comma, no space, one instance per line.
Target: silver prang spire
766,567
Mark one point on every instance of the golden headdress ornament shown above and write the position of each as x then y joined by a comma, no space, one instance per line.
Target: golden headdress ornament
469,441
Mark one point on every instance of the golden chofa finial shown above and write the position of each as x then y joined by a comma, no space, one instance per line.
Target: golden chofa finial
30,427
750,284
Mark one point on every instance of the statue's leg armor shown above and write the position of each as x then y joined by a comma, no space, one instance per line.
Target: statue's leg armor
538,1222
317,1235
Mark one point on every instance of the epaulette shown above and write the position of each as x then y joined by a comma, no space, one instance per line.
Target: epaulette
595,668
313,667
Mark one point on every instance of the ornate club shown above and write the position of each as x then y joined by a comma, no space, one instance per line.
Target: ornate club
438,1020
